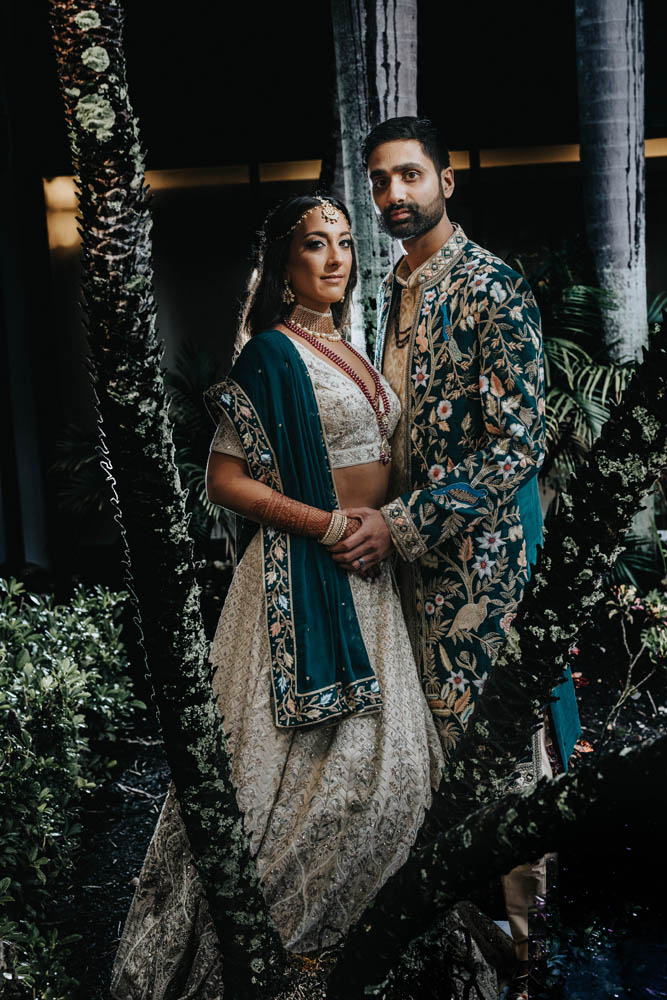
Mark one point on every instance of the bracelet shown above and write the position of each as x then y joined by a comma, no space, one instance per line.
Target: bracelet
336,530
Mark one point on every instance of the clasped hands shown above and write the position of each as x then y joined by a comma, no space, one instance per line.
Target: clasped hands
363,551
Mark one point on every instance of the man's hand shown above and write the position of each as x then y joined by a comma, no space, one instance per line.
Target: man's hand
371,543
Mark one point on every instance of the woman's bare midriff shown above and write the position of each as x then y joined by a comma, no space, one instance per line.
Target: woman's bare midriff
362,485
357,485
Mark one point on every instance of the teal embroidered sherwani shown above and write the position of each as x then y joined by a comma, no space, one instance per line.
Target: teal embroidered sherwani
468,521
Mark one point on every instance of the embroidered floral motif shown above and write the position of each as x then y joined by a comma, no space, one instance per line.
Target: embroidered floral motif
475,407
292,708
404,534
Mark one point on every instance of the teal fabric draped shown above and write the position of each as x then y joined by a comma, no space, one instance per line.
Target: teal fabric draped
563,709
528,499
321,669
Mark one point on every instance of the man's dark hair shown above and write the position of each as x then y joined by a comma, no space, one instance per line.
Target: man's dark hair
409,127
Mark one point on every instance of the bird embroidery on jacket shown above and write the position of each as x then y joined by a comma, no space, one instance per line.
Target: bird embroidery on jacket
469,521
470,616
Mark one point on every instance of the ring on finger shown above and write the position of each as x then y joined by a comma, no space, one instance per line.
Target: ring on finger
361,562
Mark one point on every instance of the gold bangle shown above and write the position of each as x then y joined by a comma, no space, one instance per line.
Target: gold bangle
336,530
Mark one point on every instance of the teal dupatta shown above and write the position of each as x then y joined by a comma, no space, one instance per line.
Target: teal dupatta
321,669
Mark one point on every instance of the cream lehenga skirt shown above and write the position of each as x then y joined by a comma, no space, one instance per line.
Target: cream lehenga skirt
331,812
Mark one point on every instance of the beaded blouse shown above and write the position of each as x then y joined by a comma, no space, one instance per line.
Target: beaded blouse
350,427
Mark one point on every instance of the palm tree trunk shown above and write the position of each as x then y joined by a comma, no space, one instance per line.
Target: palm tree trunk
139,457
610,69
376,71
610,66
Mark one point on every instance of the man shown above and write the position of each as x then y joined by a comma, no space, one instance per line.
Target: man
459,340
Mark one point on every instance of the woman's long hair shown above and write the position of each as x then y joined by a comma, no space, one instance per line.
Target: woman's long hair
263,306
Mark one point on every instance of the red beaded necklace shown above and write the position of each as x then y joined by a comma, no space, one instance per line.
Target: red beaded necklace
381,415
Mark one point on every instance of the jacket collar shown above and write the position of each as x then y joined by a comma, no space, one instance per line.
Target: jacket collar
431,268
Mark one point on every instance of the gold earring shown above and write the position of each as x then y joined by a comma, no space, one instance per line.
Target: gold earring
288,295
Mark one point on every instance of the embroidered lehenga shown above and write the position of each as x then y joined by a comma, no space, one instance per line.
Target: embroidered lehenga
333,775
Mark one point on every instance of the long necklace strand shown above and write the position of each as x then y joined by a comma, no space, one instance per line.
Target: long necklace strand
380,393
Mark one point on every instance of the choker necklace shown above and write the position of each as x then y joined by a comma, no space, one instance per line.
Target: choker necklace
315,323
379,402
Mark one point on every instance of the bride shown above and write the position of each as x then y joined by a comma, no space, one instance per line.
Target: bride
333,748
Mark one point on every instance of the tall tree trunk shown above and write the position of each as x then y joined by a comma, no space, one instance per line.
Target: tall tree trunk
376,70
610,66
610,70
125,361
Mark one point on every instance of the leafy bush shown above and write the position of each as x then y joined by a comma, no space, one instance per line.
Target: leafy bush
65,695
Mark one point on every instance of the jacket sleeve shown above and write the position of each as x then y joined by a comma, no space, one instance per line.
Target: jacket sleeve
511,394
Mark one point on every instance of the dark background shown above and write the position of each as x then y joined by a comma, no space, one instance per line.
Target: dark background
215,85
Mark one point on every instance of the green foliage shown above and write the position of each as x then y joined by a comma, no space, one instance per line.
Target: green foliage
64,697
83,488
642,643
587,956
580,382
644,622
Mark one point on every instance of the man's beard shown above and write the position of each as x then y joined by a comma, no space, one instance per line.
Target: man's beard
421,219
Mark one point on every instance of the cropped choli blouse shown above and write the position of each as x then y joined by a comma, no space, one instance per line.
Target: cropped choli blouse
349,421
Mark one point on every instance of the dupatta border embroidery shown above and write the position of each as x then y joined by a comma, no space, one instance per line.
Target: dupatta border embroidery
291,708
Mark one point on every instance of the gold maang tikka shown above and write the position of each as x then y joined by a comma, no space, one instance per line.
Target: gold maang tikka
329,213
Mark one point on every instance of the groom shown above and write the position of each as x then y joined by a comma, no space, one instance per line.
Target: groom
459,340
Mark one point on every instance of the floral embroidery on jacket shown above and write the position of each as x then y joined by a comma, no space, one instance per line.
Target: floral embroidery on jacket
475,415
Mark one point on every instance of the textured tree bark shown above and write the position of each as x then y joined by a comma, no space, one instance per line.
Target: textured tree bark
139,457
612,798
376,70
610,66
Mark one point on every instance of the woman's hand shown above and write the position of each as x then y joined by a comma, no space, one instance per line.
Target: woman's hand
229,484
367,546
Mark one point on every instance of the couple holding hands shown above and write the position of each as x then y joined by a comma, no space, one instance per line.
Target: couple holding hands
390,519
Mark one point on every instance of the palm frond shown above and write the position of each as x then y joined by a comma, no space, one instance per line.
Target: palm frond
638,557
656,307
581,311
83,486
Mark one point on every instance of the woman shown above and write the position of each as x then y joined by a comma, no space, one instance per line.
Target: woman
333,747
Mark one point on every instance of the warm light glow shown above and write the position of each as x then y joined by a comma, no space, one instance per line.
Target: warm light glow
61,201
656,147
459,159
59,194
529,155
197,177
294,170
62,229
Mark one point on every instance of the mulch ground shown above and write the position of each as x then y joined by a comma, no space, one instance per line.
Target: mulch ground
118,824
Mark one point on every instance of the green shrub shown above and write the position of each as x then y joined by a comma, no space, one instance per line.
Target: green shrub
65,695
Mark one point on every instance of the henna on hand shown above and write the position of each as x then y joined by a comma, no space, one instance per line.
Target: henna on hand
353,525
281,512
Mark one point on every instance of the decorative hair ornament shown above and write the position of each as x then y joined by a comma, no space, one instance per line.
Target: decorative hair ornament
329,213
